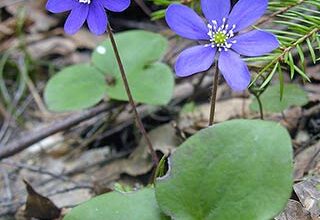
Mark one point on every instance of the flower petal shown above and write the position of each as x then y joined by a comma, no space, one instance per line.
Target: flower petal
246,13
58,6
115,5
76,18
97,19
215,9
234,70
194,60
255,43
186,23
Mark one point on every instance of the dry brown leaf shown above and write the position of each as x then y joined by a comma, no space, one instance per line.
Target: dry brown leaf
88,159
228,109
85,39
294,211
38,206
313,91
164,139
314,72
52,45
309,195
291,118
307,160
225,110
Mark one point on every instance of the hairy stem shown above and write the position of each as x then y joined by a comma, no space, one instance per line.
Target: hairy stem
131,101
214,93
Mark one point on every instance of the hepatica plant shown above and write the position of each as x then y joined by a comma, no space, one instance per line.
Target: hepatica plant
219,35
93,11
240,169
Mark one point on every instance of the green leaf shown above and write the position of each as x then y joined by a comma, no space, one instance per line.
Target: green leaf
153,85
301,55
151,82
281,82
313,54
75,88
214,176
291,64
269,78
272,101
140,205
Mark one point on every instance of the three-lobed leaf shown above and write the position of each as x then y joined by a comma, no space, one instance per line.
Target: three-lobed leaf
239,169
151,82
82,86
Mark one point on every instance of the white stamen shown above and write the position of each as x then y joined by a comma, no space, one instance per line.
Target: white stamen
224,20
221,30
215,24
85,1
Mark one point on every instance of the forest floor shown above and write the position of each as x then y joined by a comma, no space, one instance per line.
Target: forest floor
71,157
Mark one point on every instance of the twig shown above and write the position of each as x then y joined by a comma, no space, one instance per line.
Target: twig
7,185
39,134
36,169
284,10
10,208
286,50
66,190
4,129
214,93
143,7
131,101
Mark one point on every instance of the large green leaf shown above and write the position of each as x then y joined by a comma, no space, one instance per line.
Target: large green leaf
240,170
293,95
75,88
151,82
140,205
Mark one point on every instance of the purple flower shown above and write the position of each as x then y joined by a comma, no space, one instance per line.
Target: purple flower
220,36
92,11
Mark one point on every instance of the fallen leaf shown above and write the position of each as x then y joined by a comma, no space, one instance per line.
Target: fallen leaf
38,206
199,118
307,160
52,45
294,211
309,195
164,139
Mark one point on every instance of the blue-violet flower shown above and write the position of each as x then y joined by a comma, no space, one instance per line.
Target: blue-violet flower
92,11
219,35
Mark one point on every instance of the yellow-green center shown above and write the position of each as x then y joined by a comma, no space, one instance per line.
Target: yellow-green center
220,38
